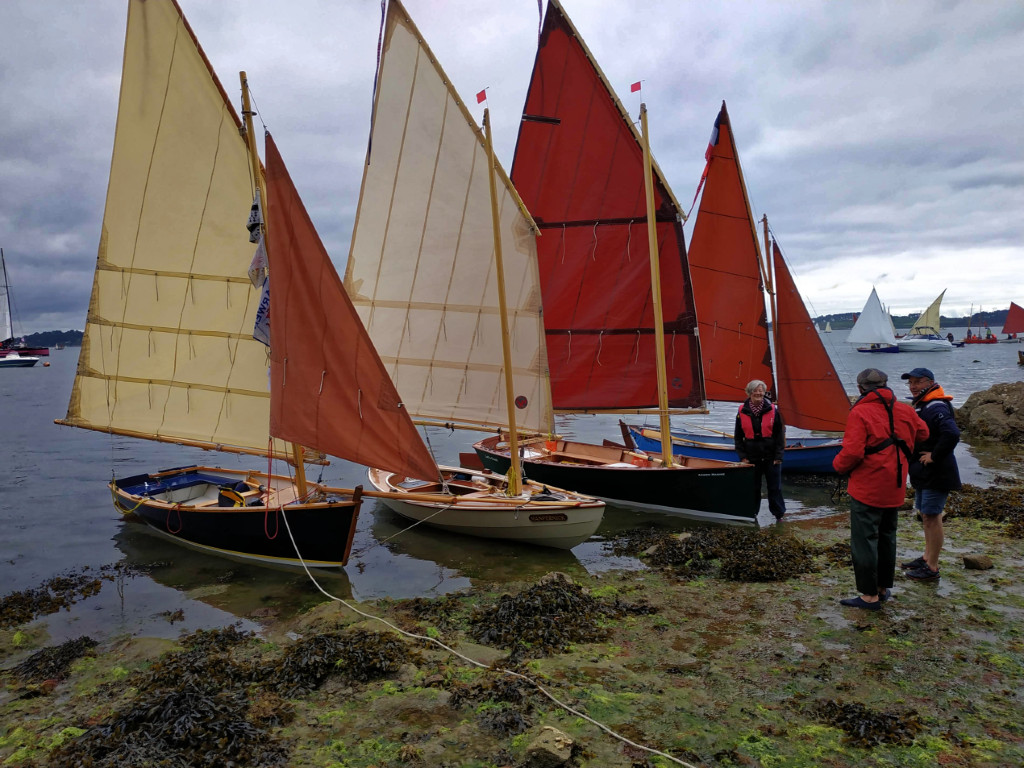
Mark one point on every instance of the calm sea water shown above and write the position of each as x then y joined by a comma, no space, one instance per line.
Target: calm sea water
56,513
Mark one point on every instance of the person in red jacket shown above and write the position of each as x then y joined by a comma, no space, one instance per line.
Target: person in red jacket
877,446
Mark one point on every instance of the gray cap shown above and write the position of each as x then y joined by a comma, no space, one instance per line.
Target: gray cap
871,378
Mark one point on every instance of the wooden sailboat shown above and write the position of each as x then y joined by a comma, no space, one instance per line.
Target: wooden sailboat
873,328
19,351
617,340
437,247
924,336
980,337
729,279
168,352
1014,323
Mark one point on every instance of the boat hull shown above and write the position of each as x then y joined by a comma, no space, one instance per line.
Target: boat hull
17,361
806,454
923,345
36,351
185,504
879,348
489,514
715,491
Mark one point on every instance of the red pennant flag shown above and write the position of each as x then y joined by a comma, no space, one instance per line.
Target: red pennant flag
635,86
481,96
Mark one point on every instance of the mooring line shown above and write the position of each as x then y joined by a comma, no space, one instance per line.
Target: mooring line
474,662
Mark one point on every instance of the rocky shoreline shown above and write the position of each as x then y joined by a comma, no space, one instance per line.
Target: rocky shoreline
724,648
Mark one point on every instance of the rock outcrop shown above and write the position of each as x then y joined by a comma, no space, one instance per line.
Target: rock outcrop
996,413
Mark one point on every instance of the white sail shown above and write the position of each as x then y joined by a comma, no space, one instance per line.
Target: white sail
873,326
421,270
6,324
168,352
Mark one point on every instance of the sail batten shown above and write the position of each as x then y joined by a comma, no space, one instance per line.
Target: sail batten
421,269
580,171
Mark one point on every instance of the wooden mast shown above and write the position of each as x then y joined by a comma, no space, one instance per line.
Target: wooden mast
261,187
515,468
772,300
659,326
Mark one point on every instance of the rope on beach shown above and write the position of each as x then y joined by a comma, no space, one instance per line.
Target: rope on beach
474,662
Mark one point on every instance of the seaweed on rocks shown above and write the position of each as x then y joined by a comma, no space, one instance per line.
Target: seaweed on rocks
177,728
204,664
358,654
1000,504
737,554
60,592
868,728
52,663
545,618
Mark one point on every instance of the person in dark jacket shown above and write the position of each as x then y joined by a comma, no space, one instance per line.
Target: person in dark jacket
760,438
877,447
933,472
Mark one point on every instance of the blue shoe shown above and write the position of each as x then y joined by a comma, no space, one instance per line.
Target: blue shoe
859,602
917,562
885,595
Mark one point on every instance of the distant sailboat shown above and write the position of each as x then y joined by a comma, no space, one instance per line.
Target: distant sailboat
1014,323
924,336
828,327
9,346
873,328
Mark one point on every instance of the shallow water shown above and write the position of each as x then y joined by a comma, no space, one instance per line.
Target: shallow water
56,513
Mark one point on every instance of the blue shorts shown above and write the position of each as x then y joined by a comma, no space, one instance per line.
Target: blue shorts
930,502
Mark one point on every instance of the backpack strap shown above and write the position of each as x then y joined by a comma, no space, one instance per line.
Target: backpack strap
892,439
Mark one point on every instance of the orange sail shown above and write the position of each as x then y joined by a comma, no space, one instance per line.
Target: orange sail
579,169
809,390
329,389
1014,319
725,268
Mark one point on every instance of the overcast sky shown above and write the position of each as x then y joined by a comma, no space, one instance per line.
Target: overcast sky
885,140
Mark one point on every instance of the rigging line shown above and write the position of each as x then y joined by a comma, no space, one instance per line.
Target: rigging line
600,340
593,253
474,662
563,239
376,544
629,239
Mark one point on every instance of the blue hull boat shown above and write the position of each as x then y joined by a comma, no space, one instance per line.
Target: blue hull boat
803,454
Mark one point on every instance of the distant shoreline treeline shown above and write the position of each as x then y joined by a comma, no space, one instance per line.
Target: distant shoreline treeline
53,338
845,320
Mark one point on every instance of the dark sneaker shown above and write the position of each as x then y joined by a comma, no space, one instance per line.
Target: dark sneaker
919,562
924,573
885,595
859,602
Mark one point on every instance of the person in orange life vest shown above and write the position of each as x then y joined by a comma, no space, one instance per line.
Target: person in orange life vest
760,438
934,472
877,448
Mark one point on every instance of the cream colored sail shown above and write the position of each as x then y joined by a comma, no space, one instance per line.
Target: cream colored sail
929,321
168,351
421,270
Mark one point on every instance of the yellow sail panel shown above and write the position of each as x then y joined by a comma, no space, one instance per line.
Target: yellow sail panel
168,350
421,271
929,321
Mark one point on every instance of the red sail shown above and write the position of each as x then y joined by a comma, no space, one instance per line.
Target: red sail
579,169
810,393
725,267
328,388
1014,319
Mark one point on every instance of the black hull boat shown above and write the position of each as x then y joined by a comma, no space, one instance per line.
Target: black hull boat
241,514
700,489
